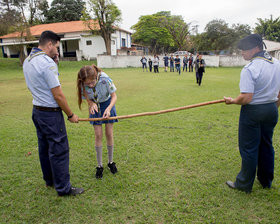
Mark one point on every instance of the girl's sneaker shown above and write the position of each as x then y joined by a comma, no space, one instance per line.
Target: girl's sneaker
112,167
99,172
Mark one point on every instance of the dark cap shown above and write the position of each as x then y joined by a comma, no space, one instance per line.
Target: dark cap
249,42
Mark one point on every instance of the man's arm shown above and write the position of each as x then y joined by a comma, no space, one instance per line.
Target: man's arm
62,102
242,99
278,102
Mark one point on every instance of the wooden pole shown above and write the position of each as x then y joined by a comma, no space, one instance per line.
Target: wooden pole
154,113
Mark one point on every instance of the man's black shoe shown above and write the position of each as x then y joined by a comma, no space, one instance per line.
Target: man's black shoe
99,172
112,167
73,191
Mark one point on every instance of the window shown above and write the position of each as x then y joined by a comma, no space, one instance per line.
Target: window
123,42
89,42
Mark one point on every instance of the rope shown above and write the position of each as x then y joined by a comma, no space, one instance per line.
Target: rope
154,113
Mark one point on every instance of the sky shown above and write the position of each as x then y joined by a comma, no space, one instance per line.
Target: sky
200,12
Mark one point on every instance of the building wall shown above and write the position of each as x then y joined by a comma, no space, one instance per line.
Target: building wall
105,61
96,47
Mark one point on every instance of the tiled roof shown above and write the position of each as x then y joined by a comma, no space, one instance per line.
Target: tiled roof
59,28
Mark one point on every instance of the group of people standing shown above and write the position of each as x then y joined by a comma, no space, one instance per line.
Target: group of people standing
175,62
259,97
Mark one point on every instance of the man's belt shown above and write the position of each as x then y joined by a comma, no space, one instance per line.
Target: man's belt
48,109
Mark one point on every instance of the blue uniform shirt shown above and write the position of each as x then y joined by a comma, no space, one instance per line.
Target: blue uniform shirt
41,75
104,88
262,78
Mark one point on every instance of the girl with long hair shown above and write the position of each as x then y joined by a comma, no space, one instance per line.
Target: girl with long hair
99,91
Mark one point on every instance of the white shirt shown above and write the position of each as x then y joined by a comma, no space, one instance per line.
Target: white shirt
262,78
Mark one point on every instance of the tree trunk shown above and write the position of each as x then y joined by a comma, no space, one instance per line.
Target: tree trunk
107,40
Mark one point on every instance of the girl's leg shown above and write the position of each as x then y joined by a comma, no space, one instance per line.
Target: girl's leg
110,140
110,147
98,143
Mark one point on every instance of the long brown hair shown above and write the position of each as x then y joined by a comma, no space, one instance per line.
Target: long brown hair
86,72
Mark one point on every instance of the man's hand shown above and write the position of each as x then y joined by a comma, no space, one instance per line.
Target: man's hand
74,119
228,100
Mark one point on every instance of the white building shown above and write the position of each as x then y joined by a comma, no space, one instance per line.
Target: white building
76,40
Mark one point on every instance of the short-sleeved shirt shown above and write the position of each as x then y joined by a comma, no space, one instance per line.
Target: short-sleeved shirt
171,60
144,60
177,61
104,88
165,58
41,75
156,61
262,78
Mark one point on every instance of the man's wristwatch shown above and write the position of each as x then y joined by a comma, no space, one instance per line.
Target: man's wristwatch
69,117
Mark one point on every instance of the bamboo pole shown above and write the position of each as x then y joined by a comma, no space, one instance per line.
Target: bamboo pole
154,113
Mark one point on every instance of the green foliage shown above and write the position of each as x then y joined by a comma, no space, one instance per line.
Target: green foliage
150,32
218,36
161,31
64,10
172,167
107,15
178,29
269,29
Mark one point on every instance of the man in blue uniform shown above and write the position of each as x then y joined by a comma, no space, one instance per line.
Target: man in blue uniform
165,59
259,97
41,76
185,62
178,64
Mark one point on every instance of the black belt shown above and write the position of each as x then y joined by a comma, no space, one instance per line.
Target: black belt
48,109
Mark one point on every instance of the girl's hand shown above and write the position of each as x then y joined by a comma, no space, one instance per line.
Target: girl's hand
107,113
93,108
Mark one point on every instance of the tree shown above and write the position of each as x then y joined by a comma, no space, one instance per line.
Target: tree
10,17
162,32
63,10
149,31
178,29
269,29
107,15
219,36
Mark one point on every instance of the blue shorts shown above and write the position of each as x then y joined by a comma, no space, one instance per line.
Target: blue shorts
166,64
103,107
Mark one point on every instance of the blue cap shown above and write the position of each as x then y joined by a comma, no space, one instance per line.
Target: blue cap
250,42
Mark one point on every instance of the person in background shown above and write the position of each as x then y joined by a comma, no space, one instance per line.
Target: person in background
150,64
156,63
199,69
259,97
185,62
171,59
100,93
191,63
144,63
178,64
165,59
41,76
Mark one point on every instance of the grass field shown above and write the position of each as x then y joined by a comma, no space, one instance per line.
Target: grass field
172,167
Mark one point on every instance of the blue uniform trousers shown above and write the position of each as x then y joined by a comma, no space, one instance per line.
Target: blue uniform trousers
256,125
178,68
53,149
185,65
171,67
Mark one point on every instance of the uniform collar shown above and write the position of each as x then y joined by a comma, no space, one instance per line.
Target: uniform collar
263,55
35,52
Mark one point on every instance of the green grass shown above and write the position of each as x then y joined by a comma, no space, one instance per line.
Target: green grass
172,167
